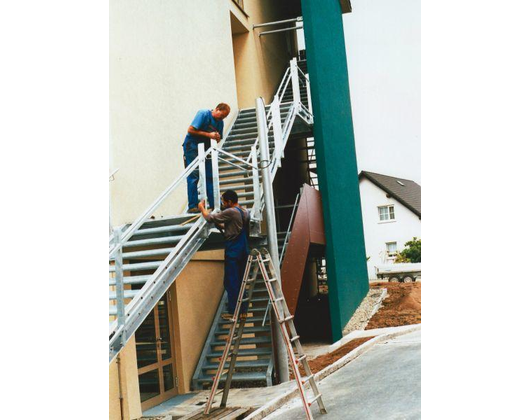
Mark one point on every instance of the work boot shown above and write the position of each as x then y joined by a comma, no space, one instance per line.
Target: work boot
194,210
228,317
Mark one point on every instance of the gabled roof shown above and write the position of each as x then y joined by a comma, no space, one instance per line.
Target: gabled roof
405,191
345,5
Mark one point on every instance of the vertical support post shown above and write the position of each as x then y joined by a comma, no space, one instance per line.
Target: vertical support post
118,262
308,90
277,130
215,176
295,83
255,183
272,237
202,174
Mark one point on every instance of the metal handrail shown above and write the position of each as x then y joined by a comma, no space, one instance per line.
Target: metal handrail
140,221
288,233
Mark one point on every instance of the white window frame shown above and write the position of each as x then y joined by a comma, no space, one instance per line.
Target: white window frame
388,207
391,255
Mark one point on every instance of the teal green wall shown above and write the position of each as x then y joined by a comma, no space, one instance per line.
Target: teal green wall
336,160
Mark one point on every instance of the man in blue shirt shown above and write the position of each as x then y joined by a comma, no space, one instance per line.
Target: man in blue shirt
207,125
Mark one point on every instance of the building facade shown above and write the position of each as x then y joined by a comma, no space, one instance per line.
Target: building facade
169,59
391,215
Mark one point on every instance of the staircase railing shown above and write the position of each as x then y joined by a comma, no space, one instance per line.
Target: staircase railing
130,316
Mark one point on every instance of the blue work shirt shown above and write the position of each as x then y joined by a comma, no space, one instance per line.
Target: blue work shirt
203,121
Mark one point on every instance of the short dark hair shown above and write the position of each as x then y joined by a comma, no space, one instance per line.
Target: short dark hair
223,107
230,195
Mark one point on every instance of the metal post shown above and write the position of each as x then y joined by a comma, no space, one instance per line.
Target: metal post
308,90
272,237
277,130
215,176
202,174
255,183
295,84
118,262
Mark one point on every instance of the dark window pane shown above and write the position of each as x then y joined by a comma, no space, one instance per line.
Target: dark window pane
146,342
169,383
149,385
163,320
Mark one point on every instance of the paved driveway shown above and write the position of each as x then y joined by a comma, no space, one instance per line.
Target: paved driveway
383,383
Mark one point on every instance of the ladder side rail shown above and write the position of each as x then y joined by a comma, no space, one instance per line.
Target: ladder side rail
241,329
226,350
292,336
283,328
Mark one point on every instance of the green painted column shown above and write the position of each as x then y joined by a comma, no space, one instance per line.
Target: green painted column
336,160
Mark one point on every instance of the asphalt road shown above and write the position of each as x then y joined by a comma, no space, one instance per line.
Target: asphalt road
383,383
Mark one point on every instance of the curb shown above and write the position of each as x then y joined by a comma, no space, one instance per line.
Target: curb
270,407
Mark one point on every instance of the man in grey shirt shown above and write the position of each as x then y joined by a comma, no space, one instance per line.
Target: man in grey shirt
234,222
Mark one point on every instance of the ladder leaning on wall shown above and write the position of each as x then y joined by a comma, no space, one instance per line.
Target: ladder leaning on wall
262,261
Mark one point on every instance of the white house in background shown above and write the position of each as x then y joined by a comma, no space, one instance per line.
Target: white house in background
391,210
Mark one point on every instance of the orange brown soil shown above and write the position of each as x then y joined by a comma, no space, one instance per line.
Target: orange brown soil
401,307
320,362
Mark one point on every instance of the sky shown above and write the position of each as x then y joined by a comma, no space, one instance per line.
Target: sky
383,51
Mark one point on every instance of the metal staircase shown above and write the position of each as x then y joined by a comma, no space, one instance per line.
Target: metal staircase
257,343
146,256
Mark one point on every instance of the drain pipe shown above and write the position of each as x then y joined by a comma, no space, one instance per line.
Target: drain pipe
272,239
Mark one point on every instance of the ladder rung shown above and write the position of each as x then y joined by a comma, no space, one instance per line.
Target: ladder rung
244,300
271,280
216,394
296,337
301,359
280,298
286,319
314,399
306,379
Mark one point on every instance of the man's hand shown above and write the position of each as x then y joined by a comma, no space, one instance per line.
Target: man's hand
202,209
214,135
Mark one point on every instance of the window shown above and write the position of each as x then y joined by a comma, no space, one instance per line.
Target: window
391,249
386,213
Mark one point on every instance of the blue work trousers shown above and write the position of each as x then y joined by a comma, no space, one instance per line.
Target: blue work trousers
190,153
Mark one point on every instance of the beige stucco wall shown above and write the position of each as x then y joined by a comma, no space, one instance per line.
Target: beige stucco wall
260,61
198,289
129,383
167,60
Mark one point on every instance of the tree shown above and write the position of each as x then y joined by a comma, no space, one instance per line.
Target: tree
411,253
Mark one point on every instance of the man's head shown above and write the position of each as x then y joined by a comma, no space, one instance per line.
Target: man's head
229,198
221,111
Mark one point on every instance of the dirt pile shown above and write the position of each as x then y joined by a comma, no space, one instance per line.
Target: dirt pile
401,307
320,362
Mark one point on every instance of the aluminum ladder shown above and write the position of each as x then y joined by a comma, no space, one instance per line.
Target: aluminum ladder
262,260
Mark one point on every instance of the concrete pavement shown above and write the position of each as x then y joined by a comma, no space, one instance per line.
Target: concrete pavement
383,383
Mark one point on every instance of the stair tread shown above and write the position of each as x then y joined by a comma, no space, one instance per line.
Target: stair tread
262,351
238,376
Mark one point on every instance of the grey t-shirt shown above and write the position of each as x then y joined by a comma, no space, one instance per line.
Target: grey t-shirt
230,221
